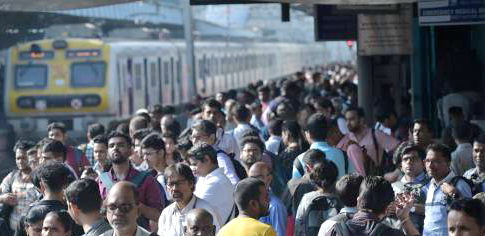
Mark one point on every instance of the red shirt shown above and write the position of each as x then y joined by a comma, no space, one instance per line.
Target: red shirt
76,159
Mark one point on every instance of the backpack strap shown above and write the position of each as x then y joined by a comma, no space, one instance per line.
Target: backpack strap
230,214
378,229
346,160
341,229
106,180
376,145
299,166
138,179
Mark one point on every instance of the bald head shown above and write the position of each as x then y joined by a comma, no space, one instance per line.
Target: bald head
199,222
121,205
260,170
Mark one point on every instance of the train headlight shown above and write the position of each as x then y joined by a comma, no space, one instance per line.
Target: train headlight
25,102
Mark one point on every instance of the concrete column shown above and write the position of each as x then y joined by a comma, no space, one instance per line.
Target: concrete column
365,87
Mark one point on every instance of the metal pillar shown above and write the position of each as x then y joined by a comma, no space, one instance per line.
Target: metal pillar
189,48
365,87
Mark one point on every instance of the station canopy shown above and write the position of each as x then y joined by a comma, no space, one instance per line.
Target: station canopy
55,5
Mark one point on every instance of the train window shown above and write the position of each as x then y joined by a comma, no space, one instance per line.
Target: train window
88,74
165,72
153,74
30,76
137,76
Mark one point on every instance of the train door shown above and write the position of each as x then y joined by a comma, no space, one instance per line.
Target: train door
139,83
126,87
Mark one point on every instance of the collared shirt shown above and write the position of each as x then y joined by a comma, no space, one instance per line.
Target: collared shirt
148,192
333,154
172,219
328,224
399,186
218,190
139,232
462,158
382,128
384,142
25,193
227,143
273,144
239,131
98,228
473,174
436,210
277,215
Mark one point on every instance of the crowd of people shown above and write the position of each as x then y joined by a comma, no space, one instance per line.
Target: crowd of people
289,157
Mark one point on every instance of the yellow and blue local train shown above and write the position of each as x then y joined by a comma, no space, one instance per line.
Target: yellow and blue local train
80,81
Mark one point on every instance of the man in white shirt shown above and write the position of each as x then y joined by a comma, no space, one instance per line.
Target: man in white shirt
212,185
181,185
242,116
205,131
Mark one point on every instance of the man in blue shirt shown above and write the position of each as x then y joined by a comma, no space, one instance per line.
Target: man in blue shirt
277,211
316,133
440,191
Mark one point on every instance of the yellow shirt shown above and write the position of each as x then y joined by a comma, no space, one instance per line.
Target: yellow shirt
246,227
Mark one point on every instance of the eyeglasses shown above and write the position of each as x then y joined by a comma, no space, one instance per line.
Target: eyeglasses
124,208
149,153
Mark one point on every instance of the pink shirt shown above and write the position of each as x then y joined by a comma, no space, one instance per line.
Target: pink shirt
76,159
355,154
148,192
385,142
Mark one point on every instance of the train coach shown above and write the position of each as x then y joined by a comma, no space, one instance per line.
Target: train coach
80,81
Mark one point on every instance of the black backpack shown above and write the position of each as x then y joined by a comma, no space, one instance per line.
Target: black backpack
238,167
320,209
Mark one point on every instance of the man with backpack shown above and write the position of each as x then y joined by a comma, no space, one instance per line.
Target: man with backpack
443,188
149,194
375,197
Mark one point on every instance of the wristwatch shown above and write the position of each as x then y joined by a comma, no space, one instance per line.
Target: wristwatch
413,209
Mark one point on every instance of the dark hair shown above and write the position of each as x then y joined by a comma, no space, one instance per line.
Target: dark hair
324,174
85,194
474,208
313,156
263,89
57,125
139,122
36,214
117,134
201,150
455,110
255,140
480,139
382,112
360,112
462,131
54,175
170,136
56,147
375,194
246,190
406,148
325,103
64,218
213,103
347,189
123,128
241,112
424,122
23,145
275,127
293,129
173,126
156,108
440,148
182,170
250,133
101,139
153,140
169,109
141,133
95,130
317,126
205,126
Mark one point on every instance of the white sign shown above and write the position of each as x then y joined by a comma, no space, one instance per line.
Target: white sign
385,34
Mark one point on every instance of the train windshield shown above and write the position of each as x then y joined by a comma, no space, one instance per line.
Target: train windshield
30,76
88,74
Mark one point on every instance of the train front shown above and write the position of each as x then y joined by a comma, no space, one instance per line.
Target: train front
56,80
